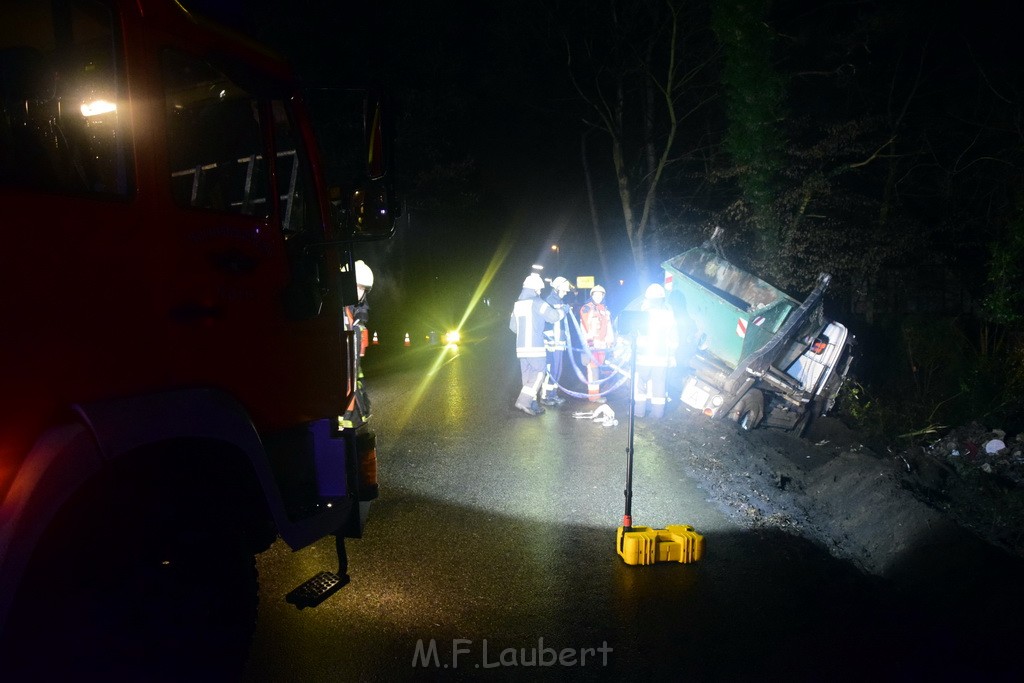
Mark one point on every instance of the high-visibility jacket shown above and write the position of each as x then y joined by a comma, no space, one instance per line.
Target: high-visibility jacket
596,321
556,336
356,319
529,316
656,345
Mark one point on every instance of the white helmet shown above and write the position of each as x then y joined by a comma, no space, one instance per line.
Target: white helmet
364,276
533,281
560,283
597,289
655,292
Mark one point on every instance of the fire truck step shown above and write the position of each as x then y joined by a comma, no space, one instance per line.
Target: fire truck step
317,589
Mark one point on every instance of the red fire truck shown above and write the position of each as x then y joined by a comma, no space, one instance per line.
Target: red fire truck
176,377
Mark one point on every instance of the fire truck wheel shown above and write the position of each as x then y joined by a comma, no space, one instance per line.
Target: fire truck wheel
134,584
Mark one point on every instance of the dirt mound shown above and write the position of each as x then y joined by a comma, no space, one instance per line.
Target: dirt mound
873,509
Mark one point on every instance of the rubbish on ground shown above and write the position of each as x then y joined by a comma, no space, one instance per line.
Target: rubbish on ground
993,446
973,446
603,416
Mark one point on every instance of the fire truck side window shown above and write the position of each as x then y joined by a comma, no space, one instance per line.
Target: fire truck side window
300,213
61,129
215,145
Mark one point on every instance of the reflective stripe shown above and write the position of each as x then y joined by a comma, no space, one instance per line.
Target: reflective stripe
529,339
537,383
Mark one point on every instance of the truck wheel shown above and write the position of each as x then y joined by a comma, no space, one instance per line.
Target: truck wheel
137,586
804,421
749,410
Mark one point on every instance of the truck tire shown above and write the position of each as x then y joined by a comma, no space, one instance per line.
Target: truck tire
803,423
749,410
135,582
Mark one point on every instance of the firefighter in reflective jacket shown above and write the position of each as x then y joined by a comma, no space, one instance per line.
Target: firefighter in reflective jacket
357,318
529,316
596,322
556,341
656,346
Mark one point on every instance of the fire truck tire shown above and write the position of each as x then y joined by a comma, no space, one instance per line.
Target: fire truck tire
137,585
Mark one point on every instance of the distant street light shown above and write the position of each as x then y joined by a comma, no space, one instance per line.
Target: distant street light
558,255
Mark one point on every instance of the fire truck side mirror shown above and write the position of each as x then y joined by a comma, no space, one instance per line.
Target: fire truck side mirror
371,211
353,128
373,207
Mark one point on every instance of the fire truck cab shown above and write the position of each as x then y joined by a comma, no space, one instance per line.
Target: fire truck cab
176,376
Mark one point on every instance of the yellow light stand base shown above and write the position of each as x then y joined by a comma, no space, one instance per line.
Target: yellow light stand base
674,543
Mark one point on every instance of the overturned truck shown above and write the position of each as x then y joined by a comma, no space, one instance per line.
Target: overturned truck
756,355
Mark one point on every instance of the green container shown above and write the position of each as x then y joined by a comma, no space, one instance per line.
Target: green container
734,313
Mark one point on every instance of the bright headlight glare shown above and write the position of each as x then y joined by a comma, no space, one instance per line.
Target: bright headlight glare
98,107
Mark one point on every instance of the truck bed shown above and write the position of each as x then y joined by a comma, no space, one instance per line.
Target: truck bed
734,312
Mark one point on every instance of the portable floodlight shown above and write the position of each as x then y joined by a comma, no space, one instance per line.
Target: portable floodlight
641,544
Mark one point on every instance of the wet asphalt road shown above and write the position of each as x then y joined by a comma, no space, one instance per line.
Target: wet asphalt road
490,554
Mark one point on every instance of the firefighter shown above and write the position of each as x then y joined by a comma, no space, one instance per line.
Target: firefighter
556,340
357,318
596,322
359,314
656,344
530,315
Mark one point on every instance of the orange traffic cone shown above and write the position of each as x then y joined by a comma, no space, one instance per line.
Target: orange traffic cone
375,338
407,342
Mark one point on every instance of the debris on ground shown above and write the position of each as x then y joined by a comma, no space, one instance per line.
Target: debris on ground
976,476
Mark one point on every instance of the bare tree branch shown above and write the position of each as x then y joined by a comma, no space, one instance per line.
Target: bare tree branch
875,155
